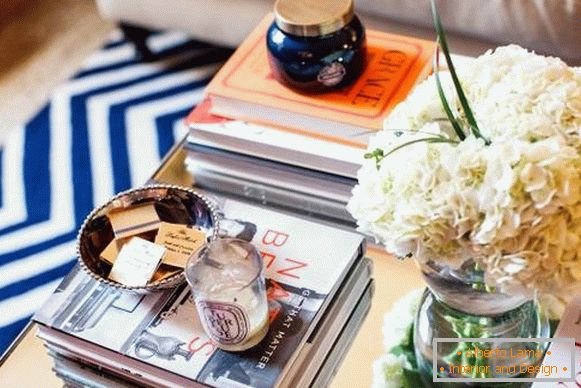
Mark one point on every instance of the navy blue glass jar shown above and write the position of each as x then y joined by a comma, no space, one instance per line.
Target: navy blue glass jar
316,46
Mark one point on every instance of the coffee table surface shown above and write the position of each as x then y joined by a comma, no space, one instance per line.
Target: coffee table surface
28,365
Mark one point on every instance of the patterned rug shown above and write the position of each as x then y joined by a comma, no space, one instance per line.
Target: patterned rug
102,132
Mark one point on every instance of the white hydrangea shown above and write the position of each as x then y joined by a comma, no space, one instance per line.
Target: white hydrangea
388,371
398,320
514,205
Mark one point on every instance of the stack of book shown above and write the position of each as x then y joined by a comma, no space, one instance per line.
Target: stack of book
282,165
319,290
254,138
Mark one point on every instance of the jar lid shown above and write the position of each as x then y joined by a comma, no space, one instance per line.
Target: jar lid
312,18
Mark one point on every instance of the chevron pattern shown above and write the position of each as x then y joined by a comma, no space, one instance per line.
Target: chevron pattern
104,131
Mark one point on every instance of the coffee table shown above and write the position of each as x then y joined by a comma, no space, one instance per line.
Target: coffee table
28,365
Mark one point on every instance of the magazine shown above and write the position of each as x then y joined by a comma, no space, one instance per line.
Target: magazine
305,264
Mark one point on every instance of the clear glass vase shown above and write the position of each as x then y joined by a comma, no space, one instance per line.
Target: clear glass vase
458,304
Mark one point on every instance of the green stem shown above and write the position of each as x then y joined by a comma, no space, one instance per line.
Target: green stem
444,101
379,155
461,96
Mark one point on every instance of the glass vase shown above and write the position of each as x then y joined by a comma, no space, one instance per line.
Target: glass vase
458,304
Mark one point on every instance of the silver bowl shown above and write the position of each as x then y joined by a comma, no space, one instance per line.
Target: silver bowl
174,204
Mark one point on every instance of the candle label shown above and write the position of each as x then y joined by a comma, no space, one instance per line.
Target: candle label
332,74
227,323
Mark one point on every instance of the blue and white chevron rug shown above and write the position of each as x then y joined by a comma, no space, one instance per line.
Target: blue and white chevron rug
102,132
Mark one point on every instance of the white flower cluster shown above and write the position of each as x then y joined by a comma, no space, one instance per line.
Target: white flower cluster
514,205
397,322
388,371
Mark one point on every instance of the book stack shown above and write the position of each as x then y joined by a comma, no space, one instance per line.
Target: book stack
281,165
254,138
319,290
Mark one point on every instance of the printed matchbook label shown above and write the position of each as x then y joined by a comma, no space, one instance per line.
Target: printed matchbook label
180,242
137,262
133,221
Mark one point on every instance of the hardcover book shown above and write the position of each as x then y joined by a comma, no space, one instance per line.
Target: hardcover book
160,333
316,365
245,89
272,143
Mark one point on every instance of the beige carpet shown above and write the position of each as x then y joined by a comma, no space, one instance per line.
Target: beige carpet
42,45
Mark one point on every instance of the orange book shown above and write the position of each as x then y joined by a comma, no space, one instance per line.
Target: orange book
244,89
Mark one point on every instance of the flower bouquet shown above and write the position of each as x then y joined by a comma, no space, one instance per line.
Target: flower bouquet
477,176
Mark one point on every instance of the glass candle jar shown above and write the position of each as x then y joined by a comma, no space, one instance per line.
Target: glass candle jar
316,46
228,285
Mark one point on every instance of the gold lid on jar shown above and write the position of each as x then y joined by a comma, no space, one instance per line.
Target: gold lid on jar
312,17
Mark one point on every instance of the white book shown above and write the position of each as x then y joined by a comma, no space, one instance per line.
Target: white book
274,144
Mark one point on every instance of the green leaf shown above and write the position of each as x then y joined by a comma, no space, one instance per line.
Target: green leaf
444,101
412,379
553,323
401,350
461,96
376,154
